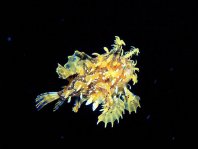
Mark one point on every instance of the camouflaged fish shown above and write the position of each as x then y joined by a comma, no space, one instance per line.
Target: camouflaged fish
99,80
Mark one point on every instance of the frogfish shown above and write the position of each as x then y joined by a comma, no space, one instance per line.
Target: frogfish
101,80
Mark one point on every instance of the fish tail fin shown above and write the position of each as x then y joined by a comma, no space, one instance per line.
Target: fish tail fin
45,98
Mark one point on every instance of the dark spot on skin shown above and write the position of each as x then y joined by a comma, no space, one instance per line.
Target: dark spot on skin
67,66
74,58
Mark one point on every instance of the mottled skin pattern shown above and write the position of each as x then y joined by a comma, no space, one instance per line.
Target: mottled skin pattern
102,80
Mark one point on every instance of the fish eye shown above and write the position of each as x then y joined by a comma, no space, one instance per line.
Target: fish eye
67,66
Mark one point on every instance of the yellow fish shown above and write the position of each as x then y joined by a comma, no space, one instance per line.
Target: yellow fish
99,80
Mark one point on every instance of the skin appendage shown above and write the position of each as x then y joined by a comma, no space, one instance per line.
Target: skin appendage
101,80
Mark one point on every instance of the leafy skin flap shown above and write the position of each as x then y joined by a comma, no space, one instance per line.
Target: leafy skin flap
131,101
112,113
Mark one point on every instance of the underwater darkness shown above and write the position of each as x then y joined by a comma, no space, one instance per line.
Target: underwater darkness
35,36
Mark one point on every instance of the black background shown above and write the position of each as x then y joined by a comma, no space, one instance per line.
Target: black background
35,36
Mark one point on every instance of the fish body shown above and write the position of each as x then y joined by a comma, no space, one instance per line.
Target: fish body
99,80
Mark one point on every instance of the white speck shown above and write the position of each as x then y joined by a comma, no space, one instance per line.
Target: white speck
69,100
81,96
89,81
120,94
155,81
125,90
89,101
148,117
62,137
173,138
113,81
9,39
116,99
129,86
79,88
171,69
116,90
95,105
